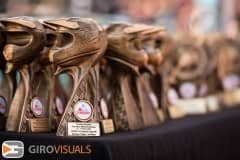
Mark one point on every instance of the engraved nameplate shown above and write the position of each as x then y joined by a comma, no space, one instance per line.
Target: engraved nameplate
39,125
83,129
107,126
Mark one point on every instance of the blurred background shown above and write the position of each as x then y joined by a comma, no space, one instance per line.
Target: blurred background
199,16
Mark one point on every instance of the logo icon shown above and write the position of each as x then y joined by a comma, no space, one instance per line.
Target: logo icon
36,106
59,105
3,105
188,90
83,110
12,149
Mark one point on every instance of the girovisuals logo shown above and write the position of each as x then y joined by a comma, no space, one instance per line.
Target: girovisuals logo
12,149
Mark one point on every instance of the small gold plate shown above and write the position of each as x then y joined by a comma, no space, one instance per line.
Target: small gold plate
160,114
107,126
176,112
39,125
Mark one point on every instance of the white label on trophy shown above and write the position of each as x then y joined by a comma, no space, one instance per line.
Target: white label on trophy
104,108
59,106
193,106
172,96
231,82
83,110
83,129
154,100
203,89
188,90
3,105
36,106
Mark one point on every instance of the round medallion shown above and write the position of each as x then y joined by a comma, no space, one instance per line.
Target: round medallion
230,82
203,90
172,96
83,110
153,99
59,105
104,108
3,105
188,90
36,106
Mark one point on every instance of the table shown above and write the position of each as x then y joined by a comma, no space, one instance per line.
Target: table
215,136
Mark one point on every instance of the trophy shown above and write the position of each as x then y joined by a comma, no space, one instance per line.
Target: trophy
186,87
229,71
131,108
79,44
105,91
151,41
29,109
210,44
6,84
58,96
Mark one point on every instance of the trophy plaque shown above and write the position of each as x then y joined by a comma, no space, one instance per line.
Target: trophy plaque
79,44
29,110
106,122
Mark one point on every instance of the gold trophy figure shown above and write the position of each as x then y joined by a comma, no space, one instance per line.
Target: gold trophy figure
127,58
184,78
7,83
152,42
228,71
29,109
79,44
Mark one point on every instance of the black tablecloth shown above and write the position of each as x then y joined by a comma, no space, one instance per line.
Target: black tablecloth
214,136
